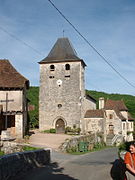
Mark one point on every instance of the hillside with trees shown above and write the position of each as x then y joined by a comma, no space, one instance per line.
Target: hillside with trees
33,97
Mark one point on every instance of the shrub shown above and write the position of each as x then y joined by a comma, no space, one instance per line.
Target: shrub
67,129
1,153
29,148
72,149
72,131
52,130
46,131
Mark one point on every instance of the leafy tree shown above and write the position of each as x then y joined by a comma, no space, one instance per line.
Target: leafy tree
33,97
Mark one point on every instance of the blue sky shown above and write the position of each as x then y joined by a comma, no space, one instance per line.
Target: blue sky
107,24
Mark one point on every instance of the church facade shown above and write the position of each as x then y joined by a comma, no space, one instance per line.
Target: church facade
62,98
63,102
13,101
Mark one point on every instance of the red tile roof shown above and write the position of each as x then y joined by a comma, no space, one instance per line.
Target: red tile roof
98,113
115,105
9,77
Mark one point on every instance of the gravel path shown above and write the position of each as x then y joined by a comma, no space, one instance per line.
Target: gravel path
52,141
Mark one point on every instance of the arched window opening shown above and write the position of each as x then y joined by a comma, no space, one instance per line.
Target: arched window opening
59,106
52,67
67,67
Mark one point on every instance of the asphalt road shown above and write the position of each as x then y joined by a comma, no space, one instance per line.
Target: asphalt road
90,166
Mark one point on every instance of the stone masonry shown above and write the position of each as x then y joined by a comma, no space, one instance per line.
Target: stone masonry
62,100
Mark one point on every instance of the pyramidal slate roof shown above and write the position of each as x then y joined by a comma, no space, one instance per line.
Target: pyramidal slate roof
62,51
9,77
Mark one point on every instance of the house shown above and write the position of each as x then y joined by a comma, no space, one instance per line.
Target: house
62,98
112,119
13,100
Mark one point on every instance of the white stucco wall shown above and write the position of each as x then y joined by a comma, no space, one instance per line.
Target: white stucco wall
19,125
124,114
16,96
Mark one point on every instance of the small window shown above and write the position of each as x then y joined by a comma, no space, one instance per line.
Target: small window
110,116
59,106
52,67
67,67
131,125
124,126
51,77
68,76
127,126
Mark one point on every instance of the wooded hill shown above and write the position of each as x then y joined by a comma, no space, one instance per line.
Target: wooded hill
33,94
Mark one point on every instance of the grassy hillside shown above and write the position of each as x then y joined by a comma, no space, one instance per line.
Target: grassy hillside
33,94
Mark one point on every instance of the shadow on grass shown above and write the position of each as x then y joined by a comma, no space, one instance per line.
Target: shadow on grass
49,172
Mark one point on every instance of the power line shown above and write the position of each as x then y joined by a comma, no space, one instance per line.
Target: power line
103,58
20,40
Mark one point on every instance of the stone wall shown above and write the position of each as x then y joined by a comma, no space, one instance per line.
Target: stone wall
13,164
72,144
66,94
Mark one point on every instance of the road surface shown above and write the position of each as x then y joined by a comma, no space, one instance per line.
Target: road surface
90,166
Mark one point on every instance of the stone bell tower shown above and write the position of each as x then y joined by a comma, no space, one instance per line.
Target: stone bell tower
61,88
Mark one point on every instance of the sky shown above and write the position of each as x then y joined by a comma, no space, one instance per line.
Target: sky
109,25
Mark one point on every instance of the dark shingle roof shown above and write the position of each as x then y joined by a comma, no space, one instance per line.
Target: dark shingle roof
9,77
90,98
62,51
98,113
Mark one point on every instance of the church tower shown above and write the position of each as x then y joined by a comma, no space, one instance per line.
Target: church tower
61,88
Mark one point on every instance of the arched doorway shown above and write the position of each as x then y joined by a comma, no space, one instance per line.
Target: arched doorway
111,129
60,126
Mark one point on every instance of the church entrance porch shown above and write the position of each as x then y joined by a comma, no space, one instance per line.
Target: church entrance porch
60,126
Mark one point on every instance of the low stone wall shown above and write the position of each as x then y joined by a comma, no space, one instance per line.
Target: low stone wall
13,164
72,144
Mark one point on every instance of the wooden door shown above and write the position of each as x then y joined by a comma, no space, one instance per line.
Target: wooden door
60,126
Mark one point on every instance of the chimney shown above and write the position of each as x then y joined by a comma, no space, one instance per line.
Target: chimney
101,102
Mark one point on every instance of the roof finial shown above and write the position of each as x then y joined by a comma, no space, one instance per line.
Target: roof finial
63,32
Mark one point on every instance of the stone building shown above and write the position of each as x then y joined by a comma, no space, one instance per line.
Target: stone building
62,99
13,100
112,119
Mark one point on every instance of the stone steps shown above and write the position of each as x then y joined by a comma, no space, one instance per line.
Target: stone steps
109,139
